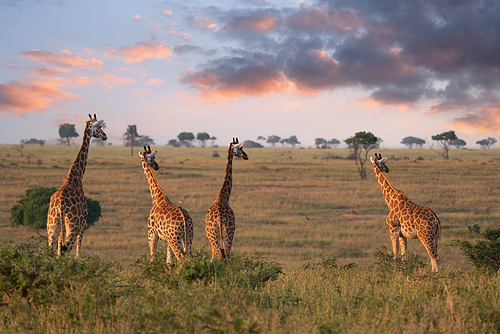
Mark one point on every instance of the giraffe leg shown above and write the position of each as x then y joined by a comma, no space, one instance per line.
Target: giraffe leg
228,239
394,231
403,244
53,233
212,234
170,260
431,247
79,241
152,237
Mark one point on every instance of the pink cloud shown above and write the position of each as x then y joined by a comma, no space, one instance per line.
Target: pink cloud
50,72
141,52
253,23
20,98
486,119
167,12
204,23
256,81
109,80
64,59
153,82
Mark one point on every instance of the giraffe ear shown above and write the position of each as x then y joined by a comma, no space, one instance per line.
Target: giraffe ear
153,153
383,160
371,159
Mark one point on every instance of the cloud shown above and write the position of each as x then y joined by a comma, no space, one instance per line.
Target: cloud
153,82
142,51
136,16
64,59
201,22
236,77
108,80
486,119
48,72
439,55
167,12
19,98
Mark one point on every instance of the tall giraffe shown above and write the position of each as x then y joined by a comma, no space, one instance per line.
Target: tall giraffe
166,221
406,219
219,219
67,216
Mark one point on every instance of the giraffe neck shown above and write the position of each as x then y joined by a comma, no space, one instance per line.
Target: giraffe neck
77,169
388,189
156,192
225,191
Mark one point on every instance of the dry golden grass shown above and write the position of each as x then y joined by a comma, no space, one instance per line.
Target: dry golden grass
273,193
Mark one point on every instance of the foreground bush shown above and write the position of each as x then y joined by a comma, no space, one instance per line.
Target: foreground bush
32,209
41,293
485,254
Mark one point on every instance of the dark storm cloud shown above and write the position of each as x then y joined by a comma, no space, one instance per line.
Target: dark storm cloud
403,52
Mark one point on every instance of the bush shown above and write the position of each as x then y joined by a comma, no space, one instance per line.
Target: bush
485,254
32,209
386,262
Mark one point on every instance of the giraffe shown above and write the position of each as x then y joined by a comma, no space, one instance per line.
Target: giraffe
67,215
166,221
406,219
219,218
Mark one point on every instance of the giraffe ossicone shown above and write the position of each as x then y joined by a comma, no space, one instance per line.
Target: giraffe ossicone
67,215
166,221
219,218
407,219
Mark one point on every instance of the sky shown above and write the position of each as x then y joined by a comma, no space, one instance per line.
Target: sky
249,68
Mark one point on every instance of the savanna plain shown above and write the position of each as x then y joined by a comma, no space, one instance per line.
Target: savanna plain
311,252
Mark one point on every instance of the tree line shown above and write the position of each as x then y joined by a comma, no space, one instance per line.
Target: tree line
131,138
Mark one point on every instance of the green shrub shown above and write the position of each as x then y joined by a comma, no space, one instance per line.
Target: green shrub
386,262
242,269
32,209
485,254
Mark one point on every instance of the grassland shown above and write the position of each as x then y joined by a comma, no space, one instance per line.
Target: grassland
273,193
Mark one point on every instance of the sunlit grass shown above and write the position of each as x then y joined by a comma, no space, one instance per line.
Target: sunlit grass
273,193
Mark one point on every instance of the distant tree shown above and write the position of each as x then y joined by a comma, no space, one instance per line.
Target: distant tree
67,132
273,139
293,141
19,148
445,140
410,141
252,144
213,139
129,137
486,143
186,138
174,143
33,141
458,143
144,141
202,137
359,145
320,142
259,138
334,142
31,210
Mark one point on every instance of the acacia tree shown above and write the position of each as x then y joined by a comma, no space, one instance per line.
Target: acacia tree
67,132
486,143
410,141
273,139
186,138
320,142
202,137
458,143
445,140
334,142
359,145
130,136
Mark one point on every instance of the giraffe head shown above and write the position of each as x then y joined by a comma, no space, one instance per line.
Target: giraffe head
380,163
149,157
95,127
237,149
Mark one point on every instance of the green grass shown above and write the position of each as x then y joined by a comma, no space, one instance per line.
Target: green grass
45,294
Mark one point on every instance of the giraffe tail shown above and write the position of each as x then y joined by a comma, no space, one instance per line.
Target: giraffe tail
223,246
62,219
